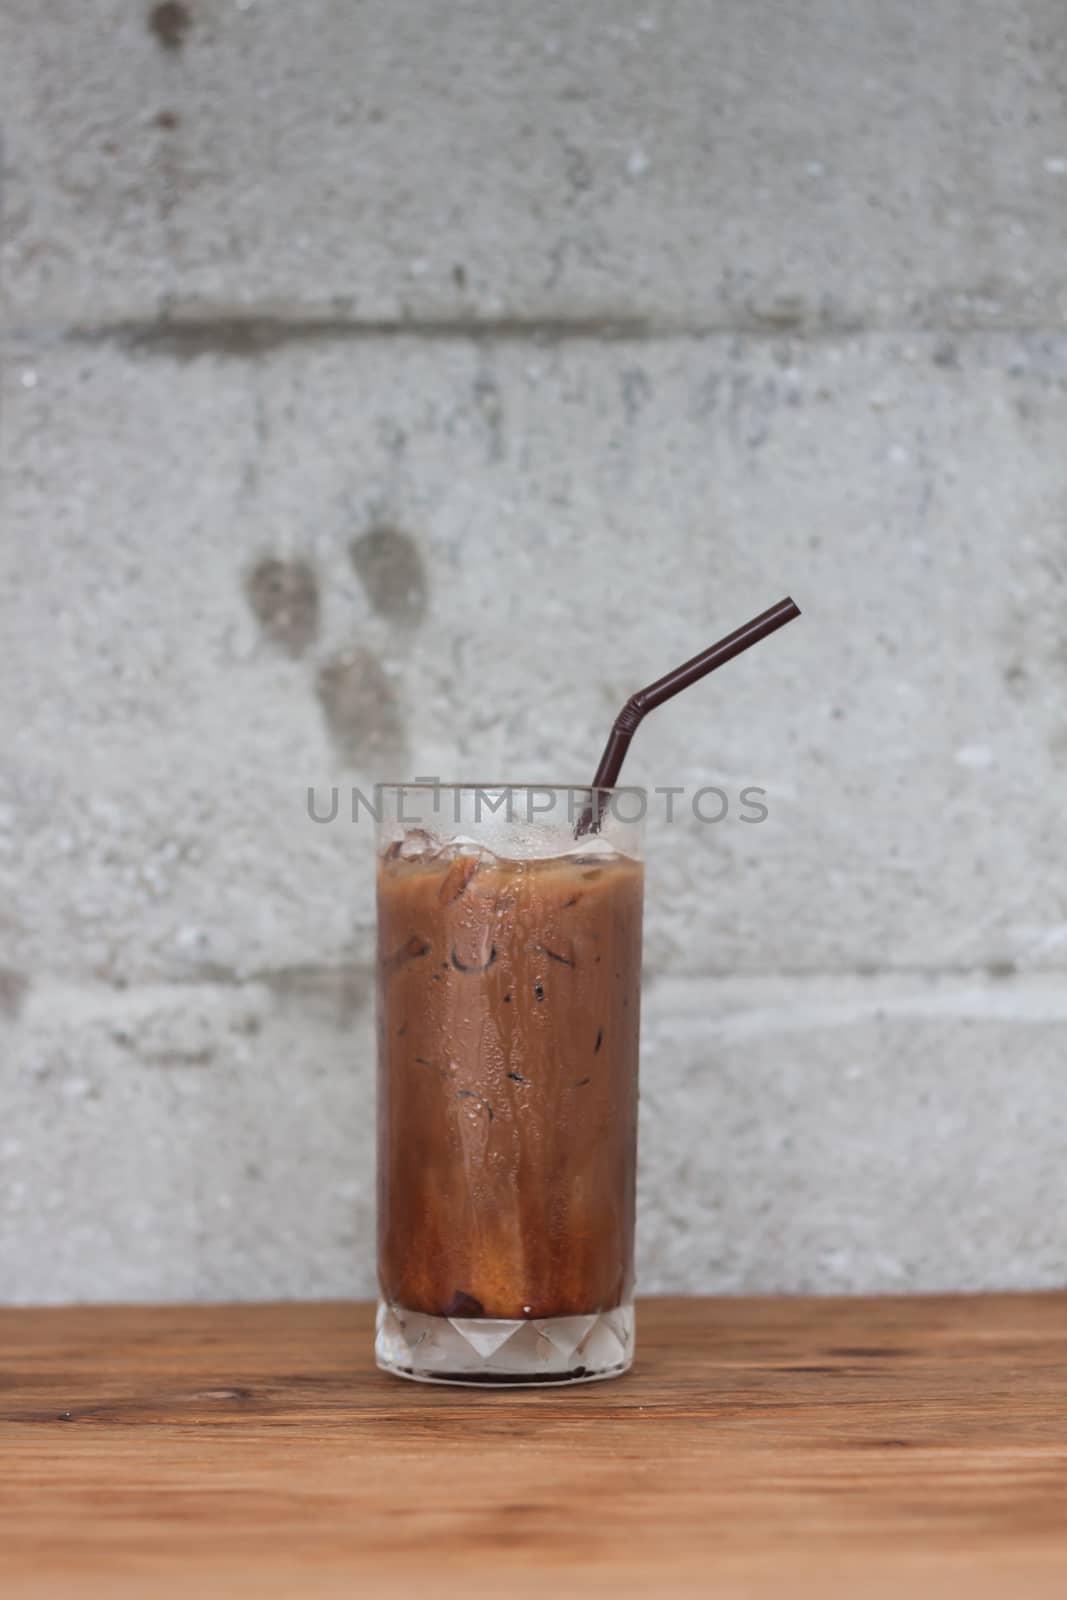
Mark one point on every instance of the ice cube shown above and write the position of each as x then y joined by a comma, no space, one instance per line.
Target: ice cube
592,848
462,845
413,845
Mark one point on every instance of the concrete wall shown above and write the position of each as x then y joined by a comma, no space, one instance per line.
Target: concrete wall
364,364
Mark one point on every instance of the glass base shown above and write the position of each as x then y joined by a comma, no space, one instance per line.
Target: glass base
484,1351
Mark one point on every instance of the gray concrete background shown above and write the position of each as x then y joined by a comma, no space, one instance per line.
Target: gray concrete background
362,365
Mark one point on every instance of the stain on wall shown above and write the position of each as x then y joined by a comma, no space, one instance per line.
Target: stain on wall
13,989
487,398
284,597
362,713
170,21
636,389
341,992
388,564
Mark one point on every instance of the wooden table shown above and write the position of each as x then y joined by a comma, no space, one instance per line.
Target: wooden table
830,1447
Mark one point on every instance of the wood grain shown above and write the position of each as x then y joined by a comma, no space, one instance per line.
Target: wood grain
830,1447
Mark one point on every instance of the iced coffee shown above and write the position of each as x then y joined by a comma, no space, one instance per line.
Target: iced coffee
508,1011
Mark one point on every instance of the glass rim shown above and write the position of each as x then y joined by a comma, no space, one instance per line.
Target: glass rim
496,788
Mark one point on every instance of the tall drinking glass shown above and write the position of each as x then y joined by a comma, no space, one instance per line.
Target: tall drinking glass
509,973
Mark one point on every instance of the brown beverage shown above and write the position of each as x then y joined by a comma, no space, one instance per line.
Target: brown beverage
509,994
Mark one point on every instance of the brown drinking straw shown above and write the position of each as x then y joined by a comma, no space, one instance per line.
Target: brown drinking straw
645,700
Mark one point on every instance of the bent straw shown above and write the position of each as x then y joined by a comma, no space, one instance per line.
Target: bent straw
645,700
